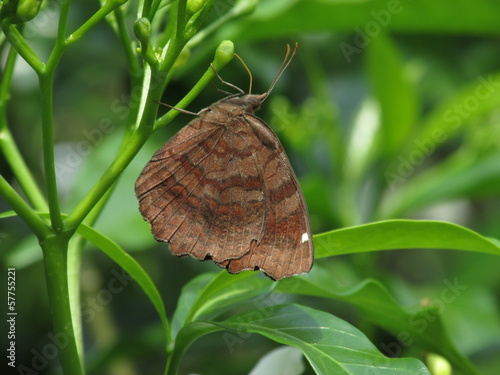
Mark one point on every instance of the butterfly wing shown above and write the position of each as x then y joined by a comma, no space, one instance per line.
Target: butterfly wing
286,248
203,193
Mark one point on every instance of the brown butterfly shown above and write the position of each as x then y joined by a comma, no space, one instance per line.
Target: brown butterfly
223,189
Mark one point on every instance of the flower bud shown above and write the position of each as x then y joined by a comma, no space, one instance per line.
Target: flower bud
223,54
194,6
142,30
20,11
438,365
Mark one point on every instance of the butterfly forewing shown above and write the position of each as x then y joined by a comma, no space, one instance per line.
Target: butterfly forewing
207,199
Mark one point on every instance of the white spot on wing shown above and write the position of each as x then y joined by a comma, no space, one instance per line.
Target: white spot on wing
305,237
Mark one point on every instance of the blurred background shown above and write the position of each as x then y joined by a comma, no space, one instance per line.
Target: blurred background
389,110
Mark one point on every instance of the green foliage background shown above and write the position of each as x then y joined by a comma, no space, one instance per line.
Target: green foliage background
389,111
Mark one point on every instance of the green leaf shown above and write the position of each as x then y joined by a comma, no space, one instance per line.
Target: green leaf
208,295
460,176
391,85
331,345
416,326
468,105
189,294
130,265
402,234
293,17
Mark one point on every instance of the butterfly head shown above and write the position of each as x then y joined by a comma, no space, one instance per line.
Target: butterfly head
231,107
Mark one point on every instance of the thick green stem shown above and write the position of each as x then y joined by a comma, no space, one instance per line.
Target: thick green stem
55,250
46,96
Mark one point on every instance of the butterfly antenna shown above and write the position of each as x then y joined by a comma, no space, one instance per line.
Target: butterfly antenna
226,83
286,61
177,109
248,71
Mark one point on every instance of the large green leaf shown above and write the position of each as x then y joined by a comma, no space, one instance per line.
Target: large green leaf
289,17
331,345
402,234
421,326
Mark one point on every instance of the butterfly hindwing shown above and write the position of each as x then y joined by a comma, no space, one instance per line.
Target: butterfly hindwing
286,248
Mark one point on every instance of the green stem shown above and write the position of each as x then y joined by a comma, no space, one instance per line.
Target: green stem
184,102
55,250
7,78
17,41
223,55
61,27
8,146
107,8
23,210
21,170
46,83
180,19
133,63
46,97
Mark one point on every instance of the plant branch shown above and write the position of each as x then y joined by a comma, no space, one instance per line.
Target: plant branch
39,227
46,97
8,146
133,63
55,250
62,26
17,41
223,55
241,8
184,102
107,8
21,170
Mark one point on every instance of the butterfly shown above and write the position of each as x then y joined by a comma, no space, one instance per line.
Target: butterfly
223,189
